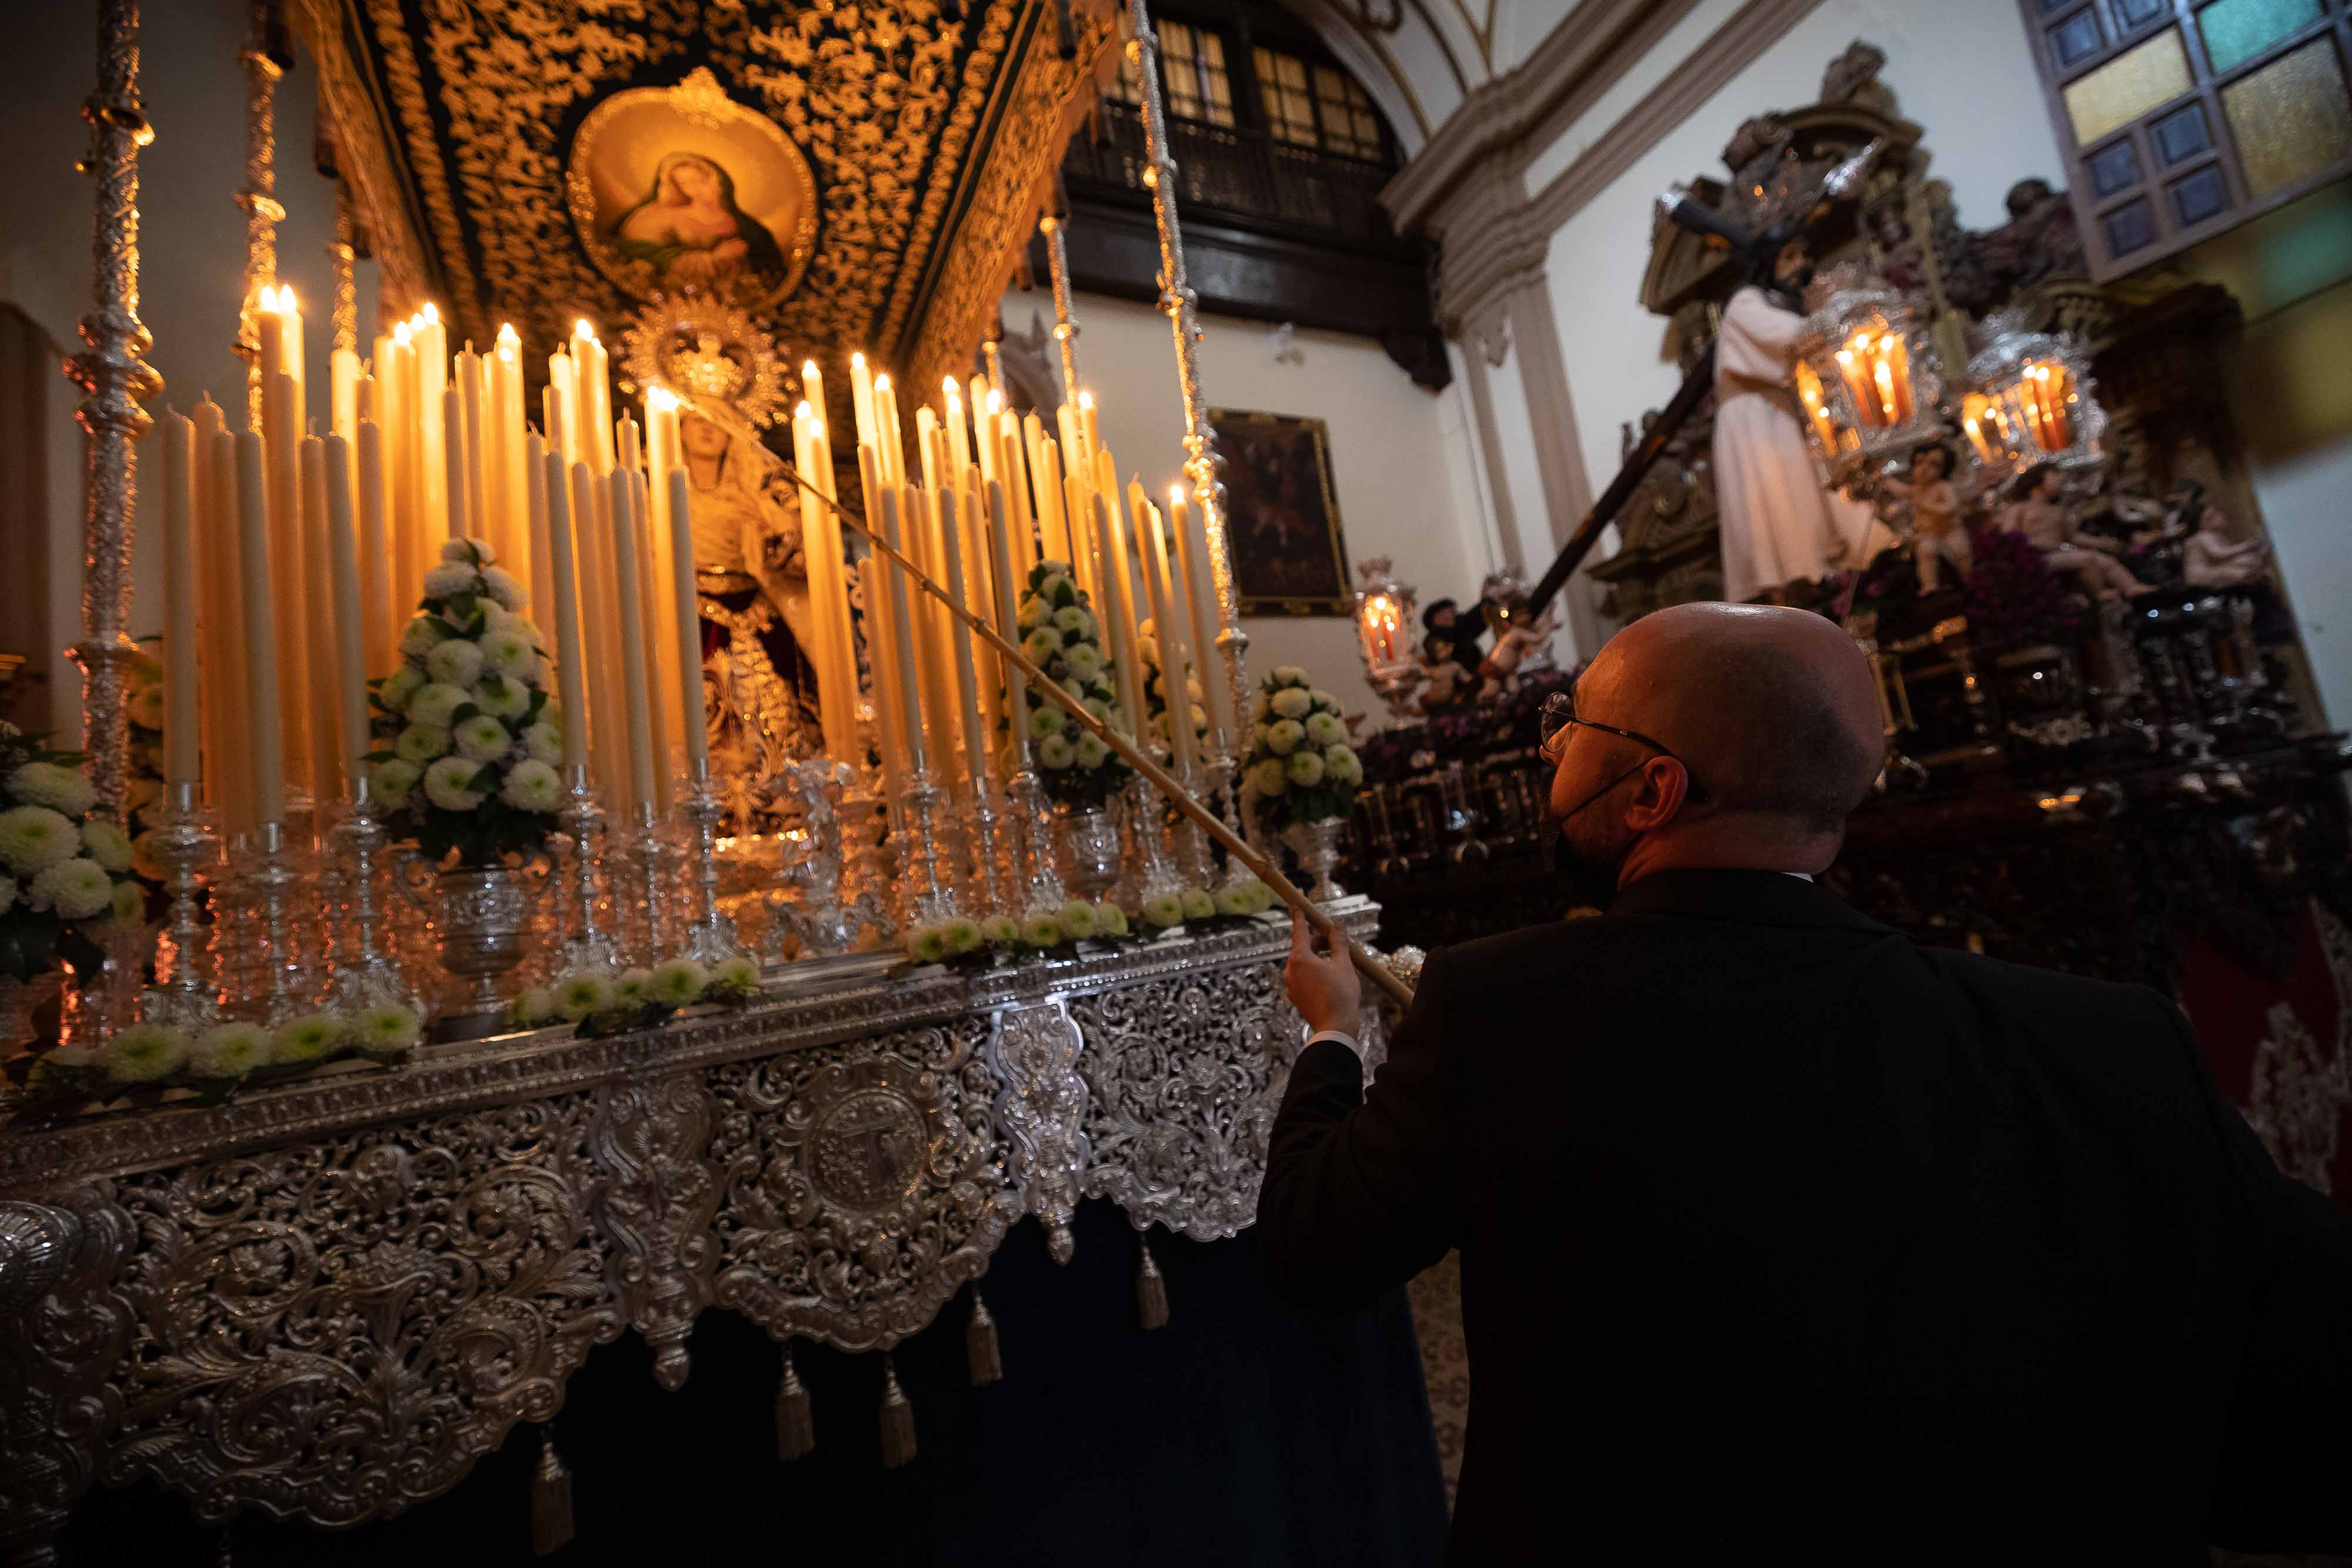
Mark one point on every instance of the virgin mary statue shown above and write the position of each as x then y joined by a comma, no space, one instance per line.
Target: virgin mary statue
752,586
689,228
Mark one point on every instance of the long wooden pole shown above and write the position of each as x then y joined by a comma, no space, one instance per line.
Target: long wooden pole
1162,780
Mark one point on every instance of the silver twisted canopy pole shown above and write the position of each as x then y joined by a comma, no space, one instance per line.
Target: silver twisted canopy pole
115,381
1053,225
260,198
1183,306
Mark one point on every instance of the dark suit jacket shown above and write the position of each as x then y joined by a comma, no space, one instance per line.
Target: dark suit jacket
1781,1232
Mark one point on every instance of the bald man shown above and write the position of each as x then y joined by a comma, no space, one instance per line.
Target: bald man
1782,1233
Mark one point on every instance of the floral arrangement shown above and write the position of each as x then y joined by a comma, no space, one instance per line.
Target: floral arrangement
1000,938
143,802
605,1004
144,1059
2014,596
1155,690
63,872
1300,767
1060,637
470,742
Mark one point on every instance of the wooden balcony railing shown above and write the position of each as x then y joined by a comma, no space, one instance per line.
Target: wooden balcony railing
1243,172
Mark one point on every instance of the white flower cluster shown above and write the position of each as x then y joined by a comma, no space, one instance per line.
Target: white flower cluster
56,859
1301,767
467,716
592,994
1155,686
1059,636
161,1055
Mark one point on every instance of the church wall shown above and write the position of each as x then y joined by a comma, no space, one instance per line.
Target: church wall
192,245
1401,460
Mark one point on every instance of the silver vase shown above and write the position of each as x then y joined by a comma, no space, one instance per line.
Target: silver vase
485,923
1316,844
1089,851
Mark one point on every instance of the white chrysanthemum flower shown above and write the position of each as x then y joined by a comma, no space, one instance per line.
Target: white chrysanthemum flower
1085,661
927,945
1344,766
422,636
1056,752
737,977
1042,931
1041,644
509,650
1323,700
76,889
1292,702
437,703
109,845
1056,586
1198,904
1289,675
535,1006
393,781
313,1037
502,588
1075,686
533,785
447,784
32,837
60,788
421,742
146,707
632,987
679,982
1326,729
457,661
1262,708
544,741
1035,612
1000,930
1284,735
229,1051
449,578
465,551
481,738
399,686
1270,778
962,933
388,1029
1110,920
1236,900
1046,721
1091,751
1305,769
1074,621
143,1052
128,903
7,893
1077,918
578,996
501,697
1163,909
1099,706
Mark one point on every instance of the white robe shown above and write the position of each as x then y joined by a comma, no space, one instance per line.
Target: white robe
1777,524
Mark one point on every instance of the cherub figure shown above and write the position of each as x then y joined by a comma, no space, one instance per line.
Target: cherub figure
2036,510
1939,533
2217,556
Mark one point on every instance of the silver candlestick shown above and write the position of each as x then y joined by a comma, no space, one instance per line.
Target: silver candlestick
711,936
1158,875
1037,882
646,851
589,947
285,985
930,899
1225,786
188,1000
823,921
366,973
982,830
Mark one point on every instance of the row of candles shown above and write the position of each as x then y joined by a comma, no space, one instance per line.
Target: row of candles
293,560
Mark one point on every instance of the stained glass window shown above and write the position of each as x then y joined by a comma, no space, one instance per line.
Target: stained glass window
2128,86
2292,118
2235,31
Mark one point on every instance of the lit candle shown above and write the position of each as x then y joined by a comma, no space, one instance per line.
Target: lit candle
828,595
662,454
891,445
653,624
455,485
636,699
183,751
282,452
881,642
264,741
319,632
902,621
1197,591
959,440
975,739
343,392
562,418
983,420
1169,630
478,523
1008,621
592,557
927,445
228,690
1116,610
380,633
401,420
1089,426
1054,522
431,340
570,674
343,556
861,398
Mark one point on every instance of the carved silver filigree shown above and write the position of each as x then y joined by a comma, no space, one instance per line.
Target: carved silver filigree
55,1358
660,1193
1041,1110
863,1184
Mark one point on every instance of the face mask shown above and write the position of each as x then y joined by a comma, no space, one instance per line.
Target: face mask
1589,884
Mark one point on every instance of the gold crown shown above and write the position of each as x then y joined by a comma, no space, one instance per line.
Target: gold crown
708,350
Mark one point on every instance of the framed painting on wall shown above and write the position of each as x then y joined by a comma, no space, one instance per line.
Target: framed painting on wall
1289,557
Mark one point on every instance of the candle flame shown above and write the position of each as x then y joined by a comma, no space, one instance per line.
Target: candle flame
995,402
661,397
1175,495
882,382
947,386
803,410
1086,400
431,313
857,360
400,334
508,339
808,369
584,329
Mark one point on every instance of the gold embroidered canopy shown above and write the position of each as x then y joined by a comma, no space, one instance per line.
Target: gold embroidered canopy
847,175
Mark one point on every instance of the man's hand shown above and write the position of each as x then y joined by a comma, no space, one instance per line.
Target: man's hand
1323,987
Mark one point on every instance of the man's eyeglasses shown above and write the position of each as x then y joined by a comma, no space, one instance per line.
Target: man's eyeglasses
1557,718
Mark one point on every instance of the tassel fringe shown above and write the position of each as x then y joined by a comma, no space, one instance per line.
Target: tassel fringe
897,1418
980,1346
551,1499
795,1419
1150,1289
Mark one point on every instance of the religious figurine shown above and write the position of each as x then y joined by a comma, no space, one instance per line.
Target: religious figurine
759,689
1449,637
1522,646
2037,510
1777,524
2217,556
1939,533
690,229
